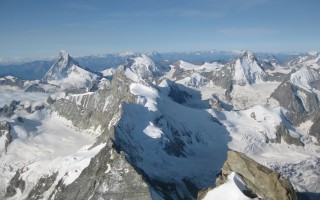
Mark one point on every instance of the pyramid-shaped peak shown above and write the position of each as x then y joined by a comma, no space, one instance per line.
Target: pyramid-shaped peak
248,54
64,54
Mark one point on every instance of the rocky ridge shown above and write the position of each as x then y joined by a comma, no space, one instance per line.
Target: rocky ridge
5,136
259,180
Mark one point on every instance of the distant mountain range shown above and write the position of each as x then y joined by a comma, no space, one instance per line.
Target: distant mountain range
36,69
160,126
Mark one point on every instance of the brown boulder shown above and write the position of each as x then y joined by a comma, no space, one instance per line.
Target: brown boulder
259,179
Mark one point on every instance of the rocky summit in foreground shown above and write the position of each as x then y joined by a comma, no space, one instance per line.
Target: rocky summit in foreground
160,128
252,179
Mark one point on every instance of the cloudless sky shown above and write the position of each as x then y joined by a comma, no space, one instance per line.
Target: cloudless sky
87,27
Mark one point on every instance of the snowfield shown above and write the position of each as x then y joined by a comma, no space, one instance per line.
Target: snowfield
44,144
231,190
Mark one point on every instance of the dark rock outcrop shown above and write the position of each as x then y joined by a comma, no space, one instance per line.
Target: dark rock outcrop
5,132
108,176
15,183
42,186
315,129
7,111
300,103
283,133
12,82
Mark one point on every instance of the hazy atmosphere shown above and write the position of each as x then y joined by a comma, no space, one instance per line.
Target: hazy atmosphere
159,99
42,28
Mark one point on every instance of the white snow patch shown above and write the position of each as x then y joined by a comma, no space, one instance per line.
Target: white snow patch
109,72
108,168
132,76
46,143
147,95
76,78
152,131
231,190
206,67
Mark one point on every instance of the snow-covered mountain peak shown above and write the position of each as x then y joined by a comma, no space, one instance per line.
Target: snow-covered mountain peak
313,53
311,59
64,59
248,55
64,54
144,60
60,69
247,69
141,67
272,59
67,73
304,77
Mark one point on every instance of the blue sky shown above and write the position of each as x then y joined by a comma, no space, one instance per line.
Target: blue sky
43,27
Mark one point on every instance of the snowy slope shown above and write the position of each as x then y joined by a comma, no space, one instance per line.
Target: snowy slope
45,144
312,59
304,77
67,73
195,80
108,72
206,67
231,190
156,131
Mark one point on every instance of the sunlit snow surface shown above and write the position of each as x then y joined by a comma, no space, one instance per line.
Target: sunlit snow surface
206,67
43,144
231,190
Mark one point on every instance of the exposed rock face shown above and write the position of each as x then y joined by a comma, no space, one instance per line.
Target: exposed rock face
42,186
300,102
241,71
12,82
142,67
99,109
5,132
15,183
179,72
315,129
109,175
259,179
283,133
7,111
